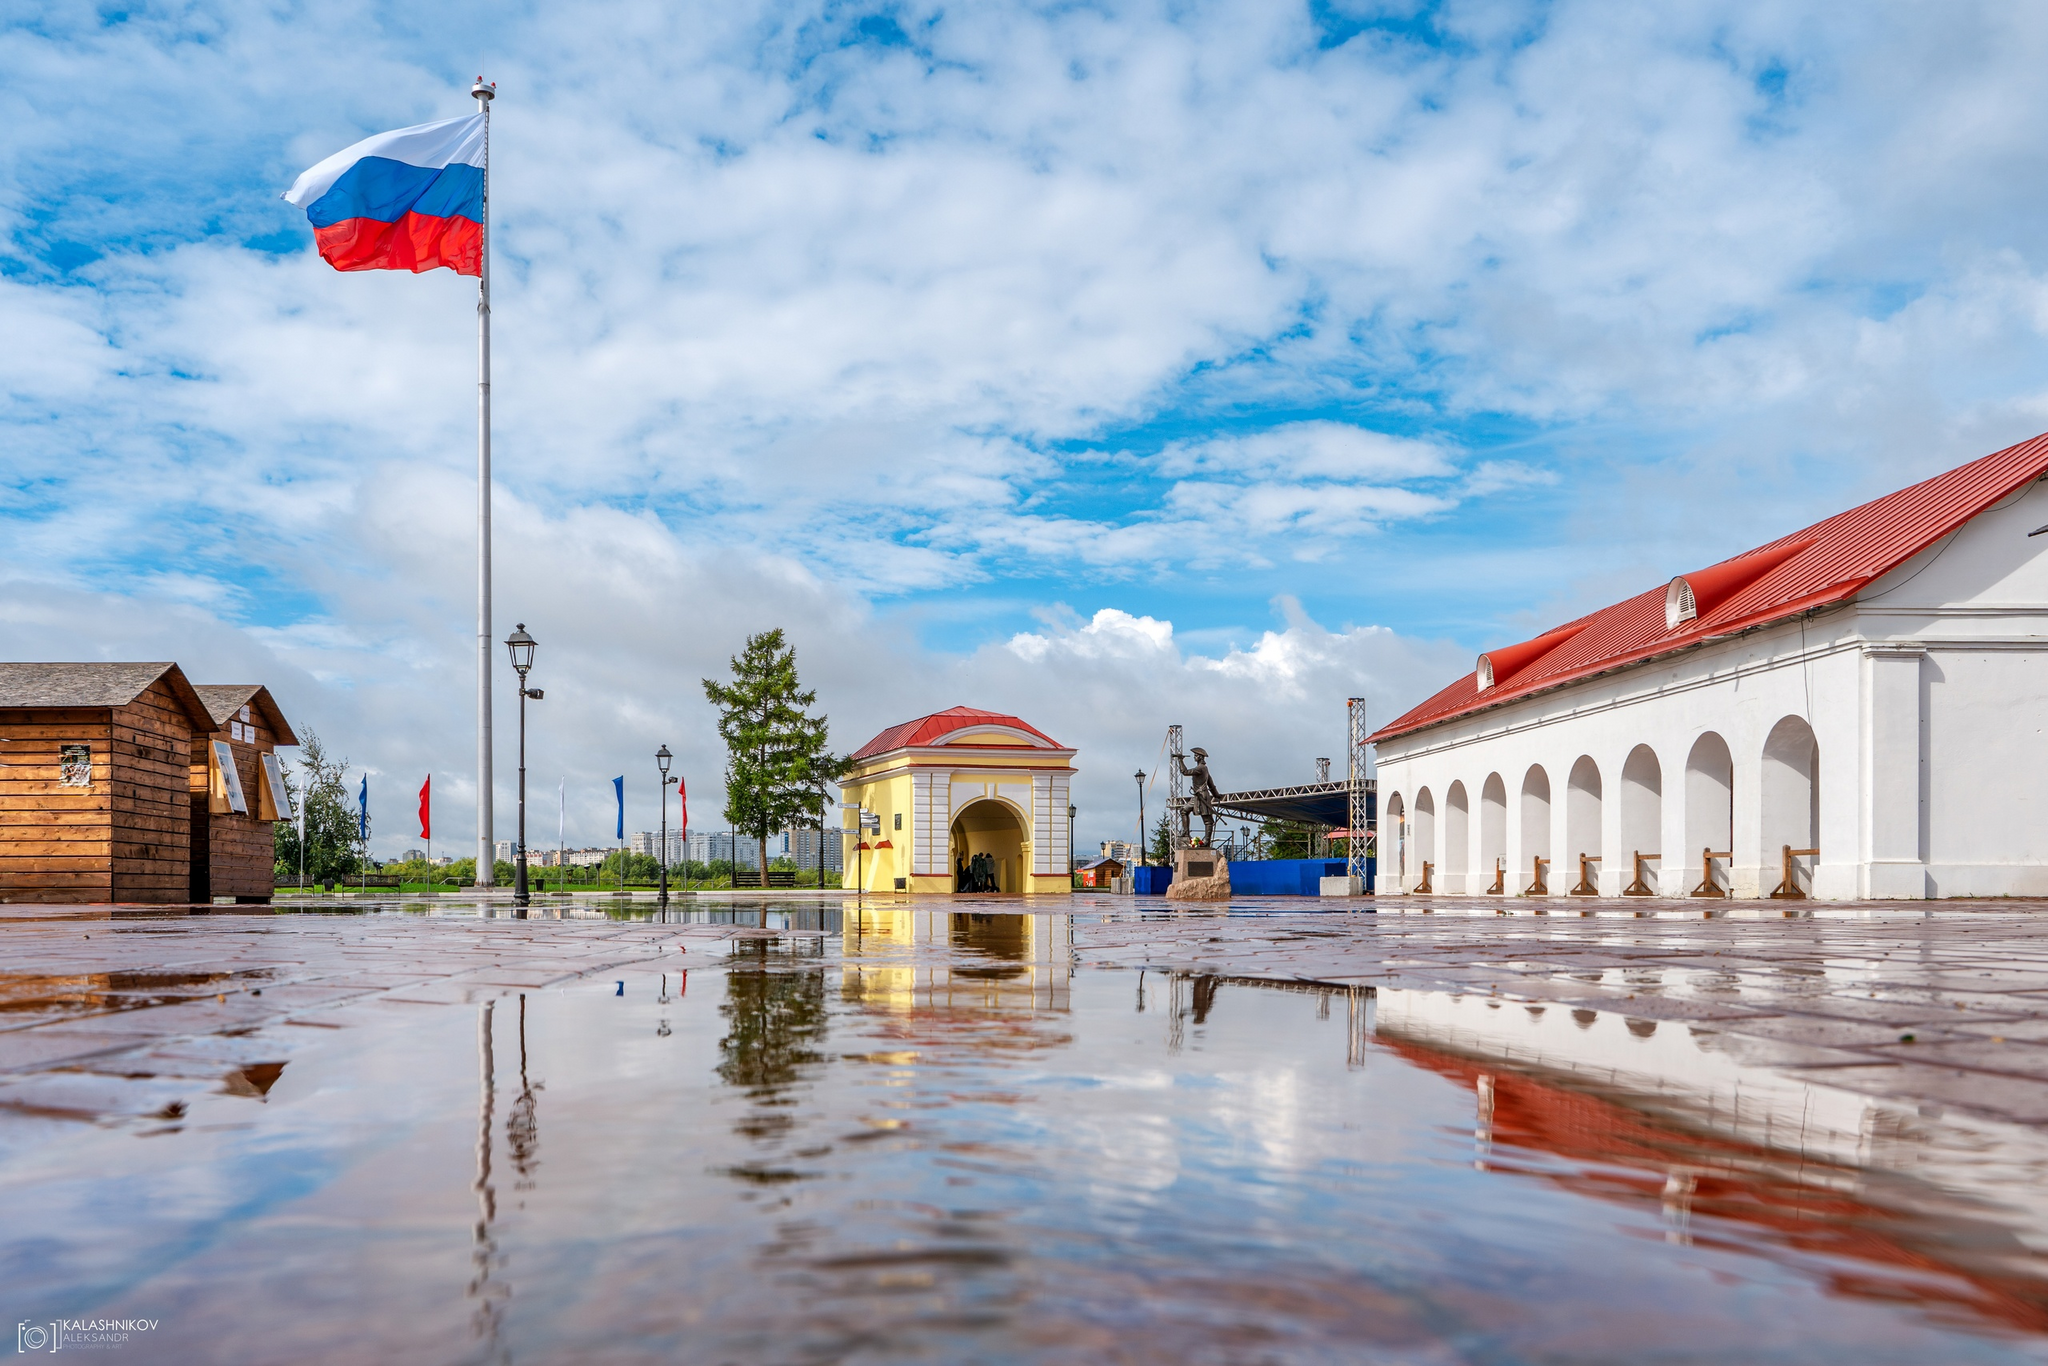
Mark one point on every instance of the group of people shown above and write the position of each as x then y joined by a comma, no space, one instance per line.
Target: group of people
977,874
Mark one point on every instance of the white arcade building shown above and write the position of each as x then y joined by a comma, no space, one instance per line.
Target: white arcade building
1854,710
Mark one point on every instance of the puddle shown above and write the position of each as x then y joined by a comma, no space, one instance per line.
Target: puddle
27,995
898,1136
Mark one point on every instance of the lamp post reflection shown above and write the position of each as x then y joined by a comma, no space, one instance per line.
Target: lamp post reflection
522,1125
522,1140
483,1287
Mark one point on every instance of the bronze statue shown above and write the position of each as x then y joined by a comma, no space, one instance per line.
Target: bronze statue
1204,793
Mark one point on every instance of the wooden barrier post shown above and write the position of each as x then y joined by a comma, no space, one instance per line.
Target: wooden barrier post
1586,887
1709,887
1788,886
1500,878
1537,885
1423,888
1639,887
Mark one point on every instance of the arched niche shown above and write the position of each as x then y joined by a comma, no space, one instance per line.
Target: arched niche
1394,827
1582,796
1424,825
1535,824
1709,813
1493,827
1642,816
1791,802
1457,829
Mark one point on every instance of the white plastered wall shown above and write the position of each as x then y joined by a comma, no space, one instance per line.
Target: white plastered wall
1926,696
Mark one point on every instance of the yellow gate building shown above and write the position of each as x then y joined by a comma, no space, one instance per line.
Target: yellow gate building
953,785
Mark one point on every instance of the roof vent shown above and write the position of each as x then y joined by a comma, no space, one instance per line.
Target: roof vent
1702,592
1678,603
1502,665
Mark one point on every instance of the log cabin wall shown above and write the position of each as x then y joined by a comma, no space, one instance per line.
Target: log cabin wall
56,838
240,847
92,782
152,819
241,850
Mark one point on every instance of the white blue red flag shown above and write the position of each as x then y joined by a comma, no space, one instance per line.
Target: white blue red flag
412,200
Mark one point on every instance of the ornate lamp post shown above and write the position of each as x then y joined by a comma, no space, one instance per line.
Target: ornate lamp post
521,646
661,759
1070,846
1141,816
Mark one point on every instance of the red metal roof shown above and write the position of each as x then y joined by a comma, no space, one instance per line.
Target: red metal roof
1826,563
929,730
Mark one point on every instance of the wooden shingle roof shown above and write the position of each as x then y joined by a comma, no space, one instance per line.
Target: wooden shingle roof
95,685
223,700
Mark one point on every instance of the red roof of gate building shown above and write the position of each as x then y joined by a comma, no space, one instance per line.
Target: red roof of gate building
930,730
1828,562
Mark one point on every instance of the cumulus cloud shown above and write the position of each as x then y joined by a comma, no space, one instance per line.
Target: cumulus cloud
630,618
860,318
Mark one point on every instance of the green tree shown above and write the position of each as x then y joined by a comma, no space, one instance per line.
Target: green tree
640,868
1286,839
319,785
776,763
1162,843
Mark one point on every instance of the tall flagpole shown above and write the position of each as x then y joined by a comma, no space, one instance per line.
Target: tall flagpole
486,850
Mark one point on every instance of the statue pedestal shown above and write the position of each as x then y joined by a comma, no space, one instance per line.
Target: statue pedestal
1199,875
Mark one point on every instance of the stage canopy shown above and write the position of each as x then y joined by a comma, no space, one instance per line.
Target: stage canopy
1326,804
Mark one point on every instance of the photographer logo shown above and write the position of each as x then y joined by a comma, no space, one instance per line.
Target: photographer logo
79,1334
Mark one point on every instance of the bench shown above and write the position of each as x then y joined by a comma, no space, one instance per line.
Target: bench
751,877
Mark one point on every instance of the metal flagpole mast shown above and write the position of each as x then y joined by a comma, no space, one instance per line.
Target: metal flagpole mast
486,850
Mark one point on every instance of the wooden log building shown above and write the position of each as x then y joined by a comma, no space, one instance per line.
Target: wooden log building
237,792
95,770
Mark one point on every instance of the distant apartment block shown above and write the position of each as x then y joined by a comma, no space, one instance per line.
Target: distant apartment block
801,848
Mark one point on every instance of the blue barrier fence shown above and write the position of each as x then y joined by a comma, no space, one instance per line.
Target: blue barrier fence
1258,877
1152,879
1283,876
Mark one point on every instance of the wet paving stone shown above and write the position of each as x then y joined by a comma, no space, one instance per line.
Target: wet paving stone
815,1129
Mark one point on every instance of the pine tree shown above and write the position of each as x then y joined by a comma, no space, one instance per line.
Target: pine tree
776,762
1162,842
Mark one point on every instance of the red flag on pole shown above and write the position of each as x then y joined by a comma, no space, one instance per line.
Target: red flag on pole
427,808
683,798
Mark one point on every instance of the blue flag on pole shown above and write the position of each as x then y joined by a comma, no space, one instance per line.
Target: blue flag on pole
363,811
619,790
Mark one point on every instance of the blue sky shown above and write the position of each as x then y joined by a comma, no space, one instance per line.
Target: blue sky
1118,364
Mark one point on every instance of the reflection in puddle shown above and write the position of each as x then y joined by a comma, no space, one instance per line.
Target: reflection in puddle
41,994
930,1135
1884,1200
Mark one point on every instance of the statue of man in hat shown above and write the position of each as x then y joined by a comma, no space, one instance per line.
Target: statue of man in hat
1204,792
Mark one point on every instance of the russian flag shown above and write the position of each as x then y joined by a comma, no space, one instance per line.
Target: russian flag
412,200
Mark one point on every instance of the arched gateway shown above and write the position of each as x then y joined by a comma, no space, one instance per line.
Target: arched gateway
967,800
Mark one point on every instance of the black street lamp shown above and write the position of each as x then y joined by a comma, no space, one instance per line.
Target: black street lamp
1070,846
1141,816
521,646
661,758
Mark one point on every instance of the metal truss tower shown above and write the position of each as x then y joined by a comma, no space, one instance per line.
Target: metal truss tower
1354,774
1177,800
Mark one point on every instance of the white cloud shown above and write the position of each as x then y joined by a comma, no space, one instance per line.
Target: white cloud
1308,450
788,326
